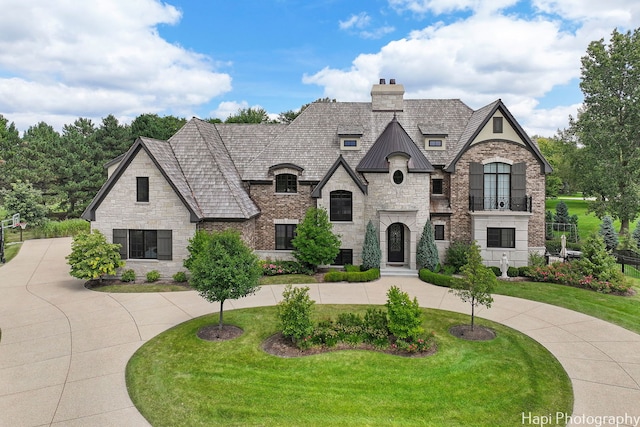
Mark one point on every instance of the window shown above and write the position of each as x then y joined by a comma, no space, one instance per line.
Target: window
350,143
284,234
142,189
497,186
435,143
436,186
438,232
501,237
286,183
345,256
144,244
341,206
398,177
497,125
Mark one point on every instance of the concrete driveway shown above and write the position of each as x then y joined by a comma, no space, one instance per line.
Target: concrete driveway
64,349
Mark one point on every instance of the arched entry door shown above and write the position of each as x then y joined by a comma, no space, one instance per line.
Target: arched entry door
395,242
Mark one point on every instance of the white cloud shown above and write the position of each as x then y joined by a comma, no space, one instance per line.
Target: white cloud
66,58
360,20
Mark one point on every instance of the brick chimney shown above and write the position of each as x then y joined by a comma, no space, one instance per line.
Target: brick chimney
387,97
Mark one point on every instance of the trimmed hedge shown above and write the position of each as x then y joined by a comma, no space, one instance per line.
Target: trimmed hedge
437,279
352,276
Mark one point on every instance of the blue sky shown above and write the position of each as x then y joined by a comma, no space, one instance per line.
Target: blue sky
67,59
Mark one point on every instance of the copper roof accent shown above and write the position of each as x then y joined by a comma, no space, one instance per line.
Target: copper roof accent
393,140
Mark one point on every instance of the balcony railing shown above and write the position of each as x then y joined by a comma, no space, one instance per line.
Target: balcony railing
519,204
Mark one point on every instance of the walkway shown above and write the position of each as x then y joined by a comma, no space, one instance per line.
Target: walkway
64,349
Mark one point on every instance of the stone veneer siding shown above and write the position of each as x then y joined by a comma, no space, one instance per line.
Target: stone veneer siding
461,218
164,211
246,228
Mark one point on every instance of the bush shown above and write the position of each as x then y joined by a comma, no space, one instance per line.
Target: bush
334,276
92,257
274,268
436,278
404,315
427,251
352,268
570,274
456,255
371,253
537,260
352,276
128,276
153,276
496,270
294,312
180,277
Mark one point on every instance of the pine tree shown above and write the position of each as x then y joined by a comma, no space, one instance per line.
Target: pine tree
371,253
427,252
636,234
608,233
562,214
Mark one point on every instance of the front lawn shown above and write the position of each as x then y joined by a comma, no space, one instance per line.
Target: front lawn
178,379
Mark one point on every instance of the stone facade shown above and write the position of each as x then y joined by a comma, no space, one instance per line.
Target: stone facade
246,228
164,211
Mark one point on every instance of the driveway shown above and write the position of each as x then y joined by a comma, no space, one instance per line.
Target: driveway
64,349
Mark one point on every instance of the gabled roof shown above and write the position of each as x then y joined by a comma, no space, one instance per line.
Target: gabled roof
393,140
479,119
317,192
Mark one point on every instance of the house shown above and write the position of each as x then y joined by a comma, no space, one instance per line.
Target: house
397,162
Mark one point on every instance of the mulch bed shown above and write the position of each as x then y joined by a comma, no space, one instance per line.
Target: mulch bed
479,333
214,333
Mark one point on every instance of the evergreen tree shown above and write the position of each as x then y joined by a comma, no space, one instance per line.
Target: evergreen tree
608,233
26,201
371,253
562,214
598,262
427,252
314,243
636,234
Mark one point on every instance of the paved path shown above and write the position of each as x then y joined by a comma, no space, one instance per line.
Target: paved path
64,349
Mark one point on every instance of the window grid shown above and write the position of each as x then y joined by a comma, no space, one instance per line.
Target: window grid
341,206
143,244
284,235
286,183
438,232
437,186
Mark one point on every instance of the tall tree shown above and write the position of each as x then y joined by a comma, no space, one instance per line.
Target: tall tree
9,145
37,160
249,115
112,138
608,233
223,267
427,252
559,151
371,252
608,126
154,126
314,243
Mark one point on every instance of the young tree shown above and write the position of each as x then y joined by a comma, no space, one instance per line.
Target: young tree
92,257
477,282
608,233
223,268
314,243
427,252
606,127
562,214
294,312
371,253
25,200
596,261
404,315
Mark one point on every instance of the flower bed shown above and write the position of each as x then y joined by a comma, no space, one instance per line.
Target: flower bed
570,274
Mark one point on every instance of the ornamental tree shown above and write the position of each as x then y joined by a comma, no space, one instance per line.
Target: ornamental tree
92,257
222,267
294,312
608,233
371,253
314,243
404,315
427,253
477,282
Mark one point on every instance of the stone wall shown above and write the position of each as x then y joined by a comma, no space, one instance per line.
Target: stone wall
247,228
164,211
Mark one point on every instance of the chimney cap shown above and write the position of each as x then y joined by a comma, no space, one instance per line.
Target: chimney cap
382,82
392,81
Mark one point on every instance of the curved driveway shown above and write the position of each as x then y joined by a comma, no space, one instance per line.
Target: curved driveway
64,349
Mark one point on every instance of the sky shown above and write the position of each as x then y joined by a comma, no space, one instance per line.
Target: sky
65,59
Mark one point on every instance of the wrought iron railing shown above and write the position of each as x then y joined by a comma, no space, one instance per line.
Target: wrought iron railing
519,204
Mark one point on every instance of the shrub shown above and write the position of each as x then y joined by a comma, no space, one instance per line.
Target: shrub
153,276
180,277
404,315
334,276
513,272
352,276
436,278
608,233
596,261
427,252
128,276
274,268
92,257
456,255
371,253
315,243
352,268
570,274
496,270
537,260
294,312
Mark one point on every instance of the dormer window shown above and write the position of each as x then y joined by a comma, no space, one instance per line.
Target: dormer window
435,143
350,136
286,183
435,135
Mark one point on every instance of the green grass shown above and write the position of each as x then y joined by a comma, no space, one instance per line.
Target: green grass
178,379
588,223
620,310
10,251
141,287
285,279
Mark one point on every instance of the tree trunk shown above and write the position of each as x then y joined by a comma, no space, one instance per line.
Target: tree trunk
624,226
473,307
220,324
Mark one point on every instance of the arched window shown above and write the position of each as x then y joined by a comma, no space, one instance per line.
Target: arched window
286,183
341,206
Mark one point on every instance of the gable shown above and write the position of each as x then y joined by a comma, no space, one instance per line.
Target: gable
508,133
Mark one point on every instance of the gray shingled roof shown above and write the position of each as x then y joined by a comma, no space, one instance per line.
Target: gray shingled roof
393,140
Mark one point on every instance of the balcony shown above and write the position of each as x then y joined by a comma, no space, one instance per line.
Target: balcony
517,204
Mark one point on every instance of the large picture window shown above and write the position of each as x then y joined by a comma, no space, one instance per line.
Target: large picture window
341,208
284,234
501,237
286,183
144,244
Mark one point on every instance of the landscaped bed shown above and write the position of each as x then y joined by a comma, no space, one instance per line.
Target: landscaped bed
180,379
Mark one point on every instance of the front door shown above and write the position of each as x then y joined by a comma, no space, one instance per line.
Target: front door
395,241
